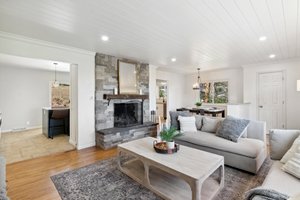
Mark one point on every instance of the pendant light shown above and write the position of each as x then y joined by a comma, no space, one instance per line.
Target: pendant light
55,83
196,86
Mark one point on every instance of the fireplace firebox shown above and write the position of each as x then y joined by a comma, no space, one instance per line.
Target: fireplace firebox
127,114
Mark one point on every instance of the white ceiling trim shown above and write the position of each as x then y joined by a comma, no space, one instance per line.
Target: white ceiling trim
283,61
44,43
32,63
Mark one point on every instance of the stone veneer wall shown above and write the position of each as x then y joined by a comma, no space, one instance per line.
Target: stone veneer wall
106,80
109,138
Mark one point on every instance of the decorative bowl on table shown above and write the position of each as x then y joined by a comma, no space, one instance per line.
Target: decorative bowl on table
161,147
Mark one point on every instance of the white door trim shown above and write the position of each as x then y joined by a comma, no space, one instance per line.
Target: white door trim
73,139
283,94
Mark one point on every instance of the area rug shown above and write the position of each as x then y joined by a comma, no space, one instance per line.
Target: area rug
103,181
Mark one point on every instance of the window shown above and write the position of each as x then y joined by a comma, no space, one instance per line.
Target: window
214,92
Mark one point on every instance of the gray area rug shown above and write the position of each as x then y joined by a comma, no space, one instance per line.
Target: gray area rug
103,181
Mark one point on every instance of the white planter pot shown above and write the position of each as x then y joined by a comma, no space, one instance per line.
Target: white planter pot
171,145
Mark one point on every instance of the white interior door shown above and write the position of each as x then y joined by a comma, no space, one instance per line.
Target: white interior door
271,99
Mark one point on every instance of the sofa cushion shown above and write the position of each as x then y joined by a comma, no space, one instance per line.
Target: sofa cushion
244,134
232,128
210,124
174,117
281,181
245,147
187,124
289,154
281,141
199,119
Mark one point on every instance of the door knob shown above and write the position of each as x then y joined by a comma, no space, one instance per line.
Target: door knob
260,106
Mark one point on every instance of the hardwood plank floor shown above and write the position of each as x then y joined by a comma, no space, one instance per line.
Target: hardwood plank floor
30,179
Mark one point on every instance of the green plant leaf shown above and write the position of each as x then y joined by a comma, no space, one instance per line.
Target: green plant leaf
168,135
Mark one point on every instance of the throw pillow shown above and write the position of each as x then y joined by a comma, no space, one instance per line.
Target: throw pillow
292,166
289,154
174,117
281,141
187,124
232,128
210,125
199,121
261,193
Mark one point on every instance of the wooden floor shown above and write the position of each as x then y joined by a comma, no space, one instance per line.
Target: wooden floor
30,179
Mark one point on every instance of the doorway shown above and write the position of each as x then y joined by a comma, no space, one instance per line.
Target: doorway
271,99
28,88
161,99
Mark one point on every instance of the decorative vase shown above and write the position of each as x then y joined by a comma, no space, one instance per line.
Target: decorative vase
170,145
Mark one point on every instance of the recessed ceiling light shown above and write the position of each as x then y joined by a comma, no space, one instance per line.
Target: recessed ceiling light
262,38
104,38
272,56
173,59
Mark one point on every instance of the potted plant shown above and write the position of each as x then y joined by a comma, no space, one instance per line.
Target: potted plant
168,135
162,94
198,104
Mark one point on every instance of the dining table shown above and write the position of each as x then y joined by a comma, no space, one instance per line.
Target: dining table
206,110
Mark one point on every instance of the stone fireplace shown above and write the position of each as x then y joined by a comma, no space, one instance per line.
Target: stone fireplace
106,80
120,118
127,114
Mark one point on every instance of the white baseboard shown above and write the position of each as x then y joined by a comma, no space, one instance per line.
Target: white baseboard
20,129
72,142
86,145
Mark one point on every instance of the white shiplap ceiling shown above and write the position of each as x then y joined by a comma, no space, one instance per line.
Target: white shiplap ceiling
207,33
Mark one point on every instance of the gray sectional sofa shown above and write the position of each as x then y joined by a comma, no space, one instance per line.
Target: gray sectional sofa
247,154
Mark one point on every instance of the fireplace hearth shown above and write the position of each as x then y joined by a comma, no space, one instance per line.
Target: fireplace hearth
127,114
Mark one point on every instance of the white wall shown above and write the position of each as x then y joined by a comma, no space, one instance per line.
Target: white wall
234,77
152,87
176,88
23,93
21,46
292,72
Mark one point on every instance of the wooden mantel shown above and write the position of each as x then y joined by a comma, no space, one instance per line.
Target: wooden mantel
125,96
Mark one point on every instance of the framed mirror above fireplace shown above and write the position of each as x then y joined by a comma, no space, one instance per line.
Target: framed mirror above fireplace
127,77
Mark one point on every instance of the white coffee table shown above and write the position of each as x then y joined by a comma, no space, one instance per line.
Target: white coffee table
183,175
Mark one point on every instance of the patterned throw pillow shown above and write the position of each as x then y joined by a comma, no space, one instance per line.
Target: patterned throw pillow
232,128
